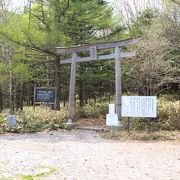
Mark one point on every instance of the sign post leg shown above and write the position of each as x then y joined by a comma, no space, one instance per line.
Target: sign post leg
149,125
118,82
128,125
72,89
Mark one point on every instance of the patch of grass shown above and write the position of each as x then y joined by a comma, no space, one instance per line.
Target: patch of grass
92,110
3,178
142,136
28,177
68,127
50,170
47,171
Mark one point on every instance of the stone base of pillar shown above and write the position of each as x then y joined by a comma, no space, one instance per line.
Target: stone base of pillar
69,124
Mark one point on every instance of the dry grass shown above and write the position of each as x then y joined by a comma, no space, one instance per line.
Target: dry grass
142,136
90,122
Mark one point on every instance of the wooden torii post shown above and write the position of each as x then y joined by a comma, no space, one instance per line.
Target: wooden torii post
92,49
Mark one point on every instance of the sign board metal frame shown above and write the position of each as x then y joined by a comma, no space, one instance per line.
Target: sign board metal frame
45,89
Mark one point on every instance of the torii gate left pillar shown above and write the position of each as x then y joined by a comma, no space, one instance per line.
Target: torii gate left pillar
72,89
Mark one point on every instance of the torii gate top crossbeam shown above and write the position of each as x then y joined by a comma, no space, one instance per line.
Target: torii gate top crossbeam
106,45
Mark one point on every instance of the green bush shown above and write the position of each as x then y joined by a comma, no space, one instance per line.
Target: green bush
33,120
169,115
3,125
30,120
92,110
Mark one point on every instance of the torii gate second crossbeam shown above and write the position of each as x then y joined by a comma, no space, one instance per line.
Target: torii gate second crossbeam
92,49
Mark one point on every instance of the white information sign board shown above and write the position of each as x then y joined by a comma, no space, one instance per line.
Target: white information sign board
139,106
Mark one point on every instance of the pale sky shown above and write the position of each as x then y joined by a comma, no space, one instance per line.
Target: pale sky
129,8
17,3
119,5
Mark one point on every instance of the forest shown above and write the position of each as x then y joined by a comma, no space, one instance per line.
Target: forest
30,34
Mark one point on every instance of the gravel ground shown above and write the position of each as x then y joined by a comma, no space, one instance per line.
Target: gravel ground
84,155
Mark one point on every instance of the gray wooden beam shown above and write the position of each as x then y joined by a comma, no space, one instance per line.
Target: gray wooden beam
106,45
100,57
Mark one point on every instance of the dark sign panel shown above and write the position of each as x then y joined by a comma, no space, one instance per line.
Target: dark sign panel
46,95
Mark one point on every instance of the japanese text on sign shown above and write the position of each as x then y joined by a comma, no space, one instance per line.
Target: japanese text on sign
139,106
45,95
93,52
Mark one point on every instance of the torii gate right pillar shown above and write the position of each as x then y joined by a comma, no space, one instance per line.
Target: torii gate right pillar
118,86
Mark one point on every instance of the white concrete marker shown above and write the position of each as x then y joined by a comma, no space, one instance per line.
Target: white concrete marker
112,117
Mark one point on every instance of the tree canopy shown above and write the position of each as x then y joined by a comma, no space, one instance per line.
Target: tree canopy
29,38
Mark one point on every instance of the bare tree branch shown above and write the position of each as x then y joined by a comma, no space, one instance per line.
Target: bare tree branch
175,1
31,45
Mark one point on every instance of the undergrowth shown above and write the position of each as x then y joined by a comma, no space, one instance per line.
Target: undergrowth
92,110
142,135
41,118
33,120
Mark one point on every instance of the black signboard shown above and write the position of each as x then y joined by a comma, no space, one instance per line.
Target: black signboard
44,95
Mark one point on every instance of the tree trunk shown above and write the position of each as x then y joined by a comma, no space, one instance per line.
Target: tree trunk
32,95
21,99
57,16
86,96
11,90
1,102
17,96
57,82
82,94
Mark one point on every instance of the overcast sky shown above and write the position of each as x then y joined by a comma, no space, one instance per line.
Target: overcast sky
17,3
118,5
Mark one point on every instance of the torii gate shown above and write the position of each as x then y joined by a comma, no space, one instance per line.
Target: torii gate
92,49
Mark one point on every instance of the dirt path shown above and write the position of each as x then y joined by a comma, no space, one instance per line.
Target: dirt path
83,155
